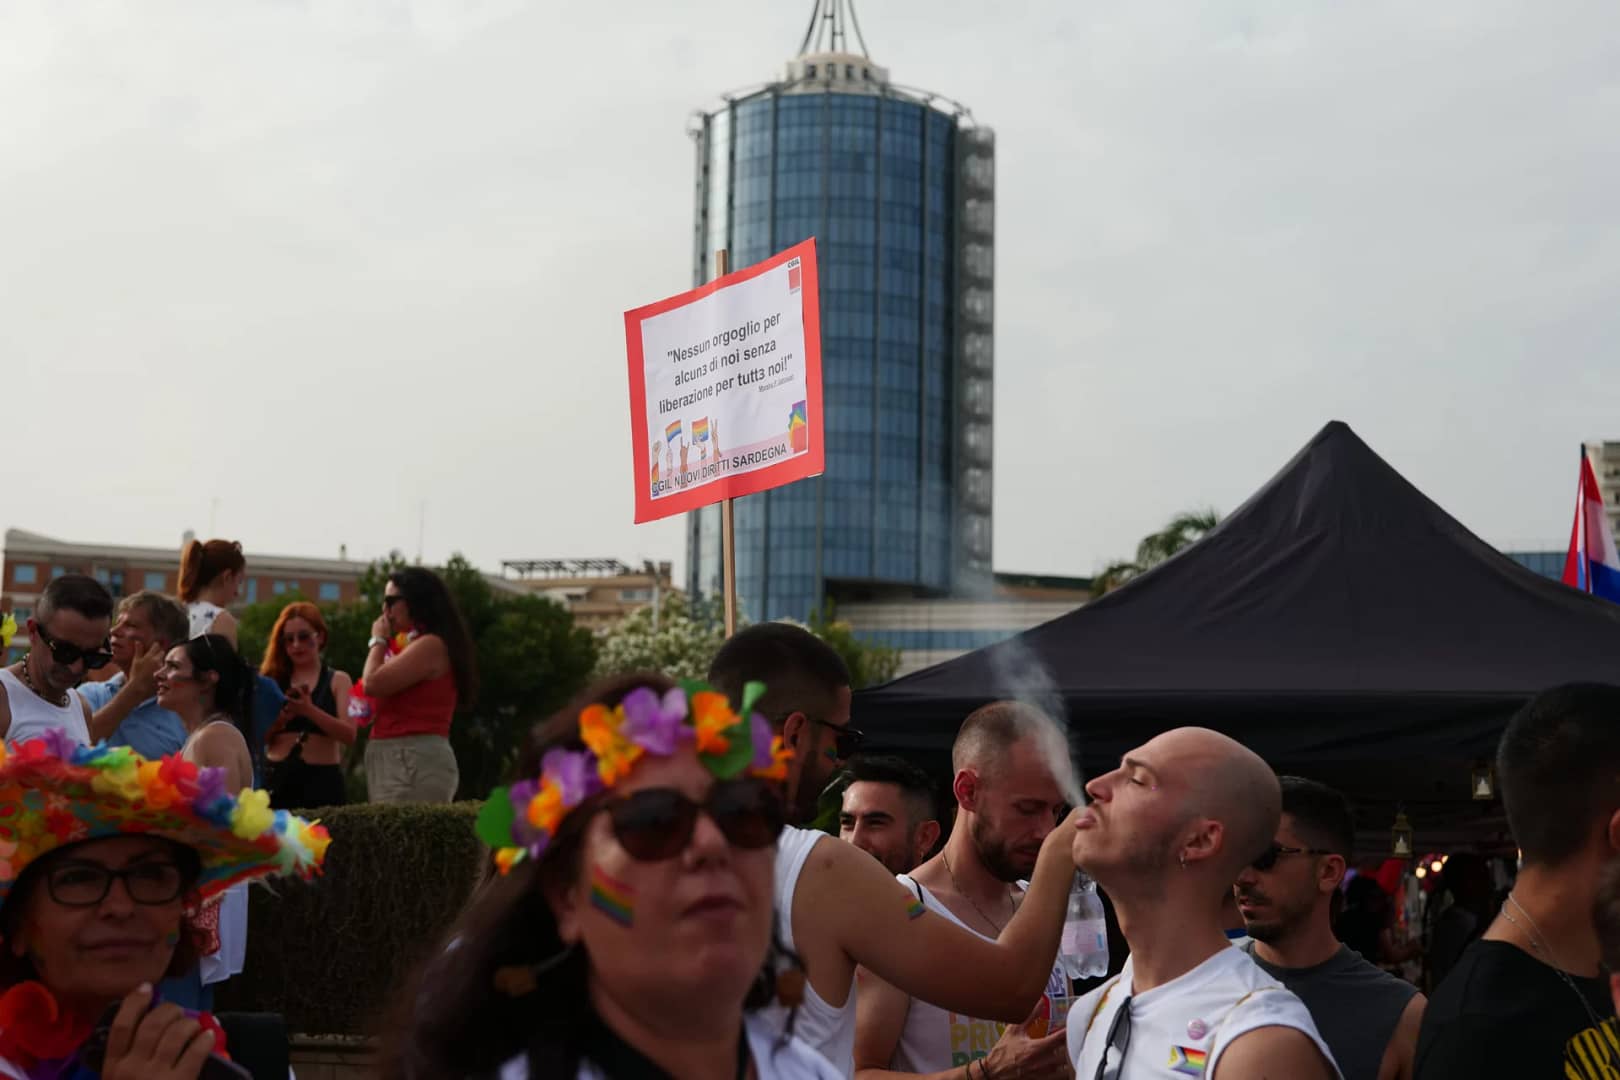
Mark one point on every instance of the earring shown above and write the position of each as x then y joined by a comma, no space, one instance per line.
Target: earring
1184,860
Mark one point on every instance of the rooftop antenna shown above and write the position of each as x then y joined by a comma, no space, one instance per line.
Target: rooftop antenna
829,28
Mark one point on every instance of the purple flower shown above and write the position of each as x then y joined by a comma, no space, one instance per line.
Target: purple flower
760,728
210,787
60,743
524,834
573,771
652,724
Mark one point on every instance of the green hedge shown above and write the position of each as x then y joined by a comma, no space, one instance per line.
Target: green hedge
329,954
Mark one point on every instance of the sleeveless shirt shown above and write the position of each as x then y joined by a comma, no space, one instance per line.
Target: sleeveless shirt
202,614
935,1039
827,1029
1356,1006
32,716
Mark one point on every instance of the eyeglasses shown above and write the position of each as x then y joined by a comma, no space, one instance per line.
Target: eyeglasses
1119,1038
849,739
390,601
1269,857
655,824
298,637
85,884
65,652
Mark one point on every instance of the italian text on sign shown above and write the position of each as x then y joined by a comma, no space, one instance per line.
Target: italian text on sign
725,387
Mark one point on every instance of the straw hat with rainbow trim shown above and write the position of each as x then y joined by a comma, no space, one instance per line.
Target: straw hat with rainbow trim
54,792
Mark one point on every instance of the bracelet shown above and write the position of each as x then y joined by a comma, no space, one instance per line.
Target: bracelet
376,641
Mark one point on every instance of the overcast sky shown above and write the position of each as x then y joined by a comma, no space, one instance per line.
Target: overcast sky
328,262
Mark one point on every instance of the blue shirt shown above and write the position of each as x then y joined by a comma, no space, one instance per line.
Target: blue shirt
150,730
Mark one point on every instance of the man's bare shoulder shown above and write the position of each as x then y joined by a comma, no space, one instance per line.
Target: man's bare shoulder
1274,1052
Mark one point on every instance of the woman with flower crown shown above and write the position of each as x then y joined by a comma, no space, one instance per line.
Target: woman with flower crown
630,932
100,855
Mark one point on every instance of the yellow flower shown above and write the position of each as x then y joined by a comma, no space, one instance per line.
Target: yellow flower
600,730
712,718
507,857
122,781
778,768
8,630
252,817
546,809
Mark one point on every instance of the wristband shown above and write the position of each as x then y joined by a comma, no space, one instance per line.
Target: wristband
376,641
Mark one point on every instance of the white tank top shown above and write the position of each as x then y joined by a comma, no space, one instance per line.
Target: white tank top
826,1029
32,716
202,615
775,1058
1183,1027
938,1040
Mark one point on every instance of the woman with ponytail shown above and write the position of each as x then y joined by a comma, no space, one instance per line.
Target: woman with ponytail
211,689
211,576
630,934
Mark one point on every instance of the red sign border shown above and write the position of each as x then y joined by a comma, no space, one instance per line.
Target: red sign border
813,463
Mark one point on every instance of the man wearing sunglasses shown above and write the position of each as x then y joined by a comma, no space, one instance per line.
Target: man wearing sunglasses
1012,779
1368,1017
1166,834
124,708
827,891
69,634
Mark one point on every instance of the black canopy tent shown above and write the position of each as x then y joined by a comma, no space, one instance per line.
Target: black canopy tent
1339,623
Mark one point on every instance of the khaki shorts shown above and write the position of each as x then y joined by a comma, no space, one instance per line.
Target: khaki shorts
411,768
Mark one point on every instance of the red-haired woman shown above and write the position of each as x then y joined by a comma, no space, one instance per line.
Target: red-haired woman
211,576
305,745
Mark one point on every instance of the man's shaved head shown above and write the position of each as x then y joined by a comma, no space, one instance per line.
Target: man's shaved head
988,735
1192,797
1233,785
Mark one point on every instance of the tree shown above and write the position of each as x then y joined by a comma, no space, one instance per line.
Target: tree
681,645
869,663
688,635
1183,531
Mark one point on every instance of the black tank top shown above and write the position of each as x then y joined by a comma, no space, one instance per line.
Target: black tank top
321,697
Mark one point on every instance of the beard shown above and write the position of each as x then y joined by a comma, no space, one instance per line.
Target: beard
996,856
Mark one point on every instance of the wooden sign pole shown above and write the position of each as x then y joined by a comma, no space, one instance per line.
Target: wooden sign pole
728,519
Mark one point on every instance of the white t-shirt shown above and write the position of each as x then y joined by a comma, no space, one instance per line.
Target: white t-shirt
774,1058
32,716
1183,1027
828,1030
935,1039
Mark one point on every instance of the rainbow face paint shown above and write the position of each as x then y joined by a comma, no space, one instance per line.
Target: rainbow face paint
612,898
915,909
172,938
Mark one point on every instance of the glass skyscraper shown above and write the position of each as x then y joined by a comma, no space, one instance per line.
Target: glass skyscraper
897,187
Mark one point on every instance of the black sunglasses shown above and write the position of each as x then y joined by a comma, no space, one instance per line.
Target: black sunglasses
1119,1038
849,740
390,601
85,884
65,652
1268,858
655,824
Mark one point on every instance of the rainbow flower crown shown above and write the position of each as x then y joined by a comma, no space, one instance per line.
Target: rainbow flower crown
519,822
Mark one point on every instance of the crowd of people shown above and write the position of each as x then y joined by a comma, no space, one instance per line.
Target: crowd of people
655,904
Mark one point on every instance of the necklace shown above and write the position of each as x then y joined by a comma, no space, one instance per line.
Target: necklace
1538,941
28,681
963,894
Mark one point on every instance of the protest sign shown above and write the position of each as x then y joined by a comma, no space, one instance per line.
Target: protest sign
725,387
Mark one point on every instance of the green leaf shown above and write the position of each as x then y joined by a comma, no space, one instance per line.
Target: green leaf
752,692
737,756
495,819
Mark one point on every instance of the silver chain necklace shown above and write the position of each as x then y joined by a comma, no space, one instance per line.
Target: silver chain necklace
963,893
1538,941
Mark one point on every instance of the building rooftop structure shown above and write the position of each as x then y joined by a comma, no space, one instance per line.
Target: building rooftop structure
598,592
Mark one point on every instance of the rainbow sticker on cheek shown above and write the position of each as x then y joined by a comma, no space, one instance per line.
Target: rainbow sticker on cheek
172,938
612,898
915,909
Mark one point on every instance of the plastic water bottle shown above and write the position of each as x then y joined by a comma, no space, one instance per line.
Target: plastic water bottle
1083,950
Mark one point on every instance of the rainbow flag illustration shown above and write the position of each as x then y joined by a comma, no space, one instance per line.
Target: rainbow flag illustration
798,428
700,430
1187,1061
612,898
673,432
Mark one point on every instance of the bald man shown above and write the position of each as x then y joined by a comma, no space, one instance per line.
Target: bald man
1166,834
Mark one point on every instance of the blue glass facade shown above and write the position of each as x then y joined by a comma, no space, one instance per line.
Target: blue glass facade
872,176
